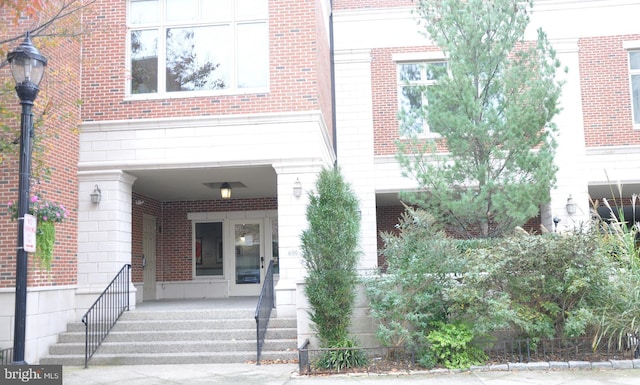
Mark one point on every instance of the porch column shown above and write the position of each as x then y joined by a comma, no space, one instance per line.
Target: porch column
571,152
291,223
104,233
354,113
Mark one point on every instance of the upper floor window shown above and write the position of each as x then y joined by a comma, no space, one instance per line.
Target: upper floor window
197,45
634,72
414,80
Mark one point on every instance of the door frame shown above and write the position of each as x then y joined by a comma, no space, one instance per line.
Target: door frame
149,289
245,289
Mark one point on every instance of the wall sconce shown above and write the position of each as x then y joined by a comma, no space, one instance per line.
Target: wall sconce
225,191
297,188
96,195
571,205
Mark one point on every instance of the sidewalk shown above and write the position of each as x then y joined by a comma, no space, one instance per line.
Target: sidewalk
247,374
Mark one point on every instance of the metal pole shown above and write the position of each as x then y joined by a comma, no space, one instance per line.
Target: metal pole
26,134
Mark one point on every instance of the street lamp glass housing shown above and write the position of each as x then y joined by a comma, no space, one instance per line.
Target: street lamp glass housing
27,64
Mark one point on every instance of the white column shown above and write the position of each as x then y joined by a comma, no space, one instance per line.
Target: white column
354,114
104,233
292,222
571,151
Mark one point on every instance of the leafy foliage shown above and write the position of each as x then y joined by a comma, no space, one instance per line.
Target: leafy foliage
414,292
48,214
494,108
330,255
553,282
438,290
343,355
452,345
50,23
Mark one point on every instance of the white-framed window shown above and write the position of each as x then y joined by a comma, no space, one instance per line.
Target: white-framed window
414,78
634,74
197,45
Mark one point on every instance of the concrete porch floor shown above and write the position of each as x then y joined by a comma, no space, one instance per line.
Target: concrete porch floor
236,303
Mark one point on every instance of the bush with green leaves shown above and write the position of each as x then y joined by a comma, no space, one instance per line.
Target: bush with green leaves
330,253
415,290
452,345
554,282
619,317
531,286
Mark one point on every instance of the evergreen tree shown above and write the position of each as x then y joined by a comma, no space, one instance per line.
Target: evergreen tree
330,253
491,165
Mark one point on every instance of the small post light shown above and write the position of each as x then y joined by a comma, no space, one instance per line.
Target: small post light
571,205
297,188
225,191
96,195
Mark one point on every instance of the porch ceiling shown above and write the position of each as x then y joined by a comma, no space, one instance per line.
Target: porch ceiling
610,191
185,184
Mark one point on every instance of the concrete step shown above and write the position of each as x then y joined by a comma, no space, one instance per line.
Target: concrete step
110,347
193,336
168,358
186,335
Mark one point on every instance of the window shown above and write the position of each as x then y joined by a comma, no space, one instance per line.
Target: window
634,72
208,253
197,45
413,80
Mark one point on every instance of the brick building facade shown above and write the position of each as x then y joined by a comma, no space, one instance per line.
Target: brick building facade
288,88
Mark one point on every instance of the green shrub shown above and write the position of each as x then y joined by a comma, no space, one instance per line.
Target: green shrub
345,356
452,346
330,254
414,291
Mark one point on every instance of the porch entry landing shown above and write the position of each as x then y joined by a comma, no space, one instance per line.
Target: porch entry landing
230,303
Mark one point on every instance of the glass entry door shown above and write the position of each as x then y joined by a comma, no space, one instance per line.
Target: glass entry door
249,257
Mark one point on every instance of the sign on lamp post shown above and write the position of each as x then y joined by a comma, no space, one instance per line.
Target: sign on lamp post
29,232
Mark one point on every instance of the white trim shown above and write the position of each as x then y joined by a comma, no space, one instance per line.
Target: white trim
418,56
202,121
613,150
631,45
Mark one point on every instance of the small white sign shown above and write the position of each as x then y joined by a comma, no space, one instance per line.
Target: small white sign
29,233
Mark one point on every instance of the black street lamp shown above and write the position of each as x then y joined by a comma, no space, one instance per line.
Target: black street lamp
27,67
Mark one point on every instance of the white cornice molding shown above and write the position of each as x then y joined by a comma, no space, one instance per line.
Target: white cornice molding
201,121
612,150
554,5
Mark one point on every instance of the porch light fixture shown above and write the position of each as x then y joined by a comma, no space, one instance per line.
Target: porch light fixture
571,205
225,191
96,195
297,188
27,68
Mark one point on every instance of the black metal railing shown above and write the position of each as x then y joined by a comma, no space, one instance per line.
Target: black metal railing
304,364
266,302
105,312
6,356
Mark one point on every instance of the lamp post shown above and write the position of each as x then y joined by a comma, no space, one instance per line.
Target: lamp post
27,67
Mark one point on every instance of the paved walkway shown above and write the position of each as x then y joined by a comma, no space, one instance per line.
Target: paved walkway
246,374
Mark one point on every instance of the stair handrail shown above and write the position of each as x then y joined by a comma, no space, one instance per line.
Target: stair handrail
105,312
266,302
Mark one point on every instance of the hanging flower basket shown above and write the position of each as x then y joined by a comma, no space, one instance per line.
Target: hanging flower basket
48,214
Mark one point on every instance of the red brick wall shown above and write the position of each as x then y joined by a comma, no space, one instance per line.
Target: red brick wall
359,4
606,94
174,255
295,85
324,67
387,217
59,92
